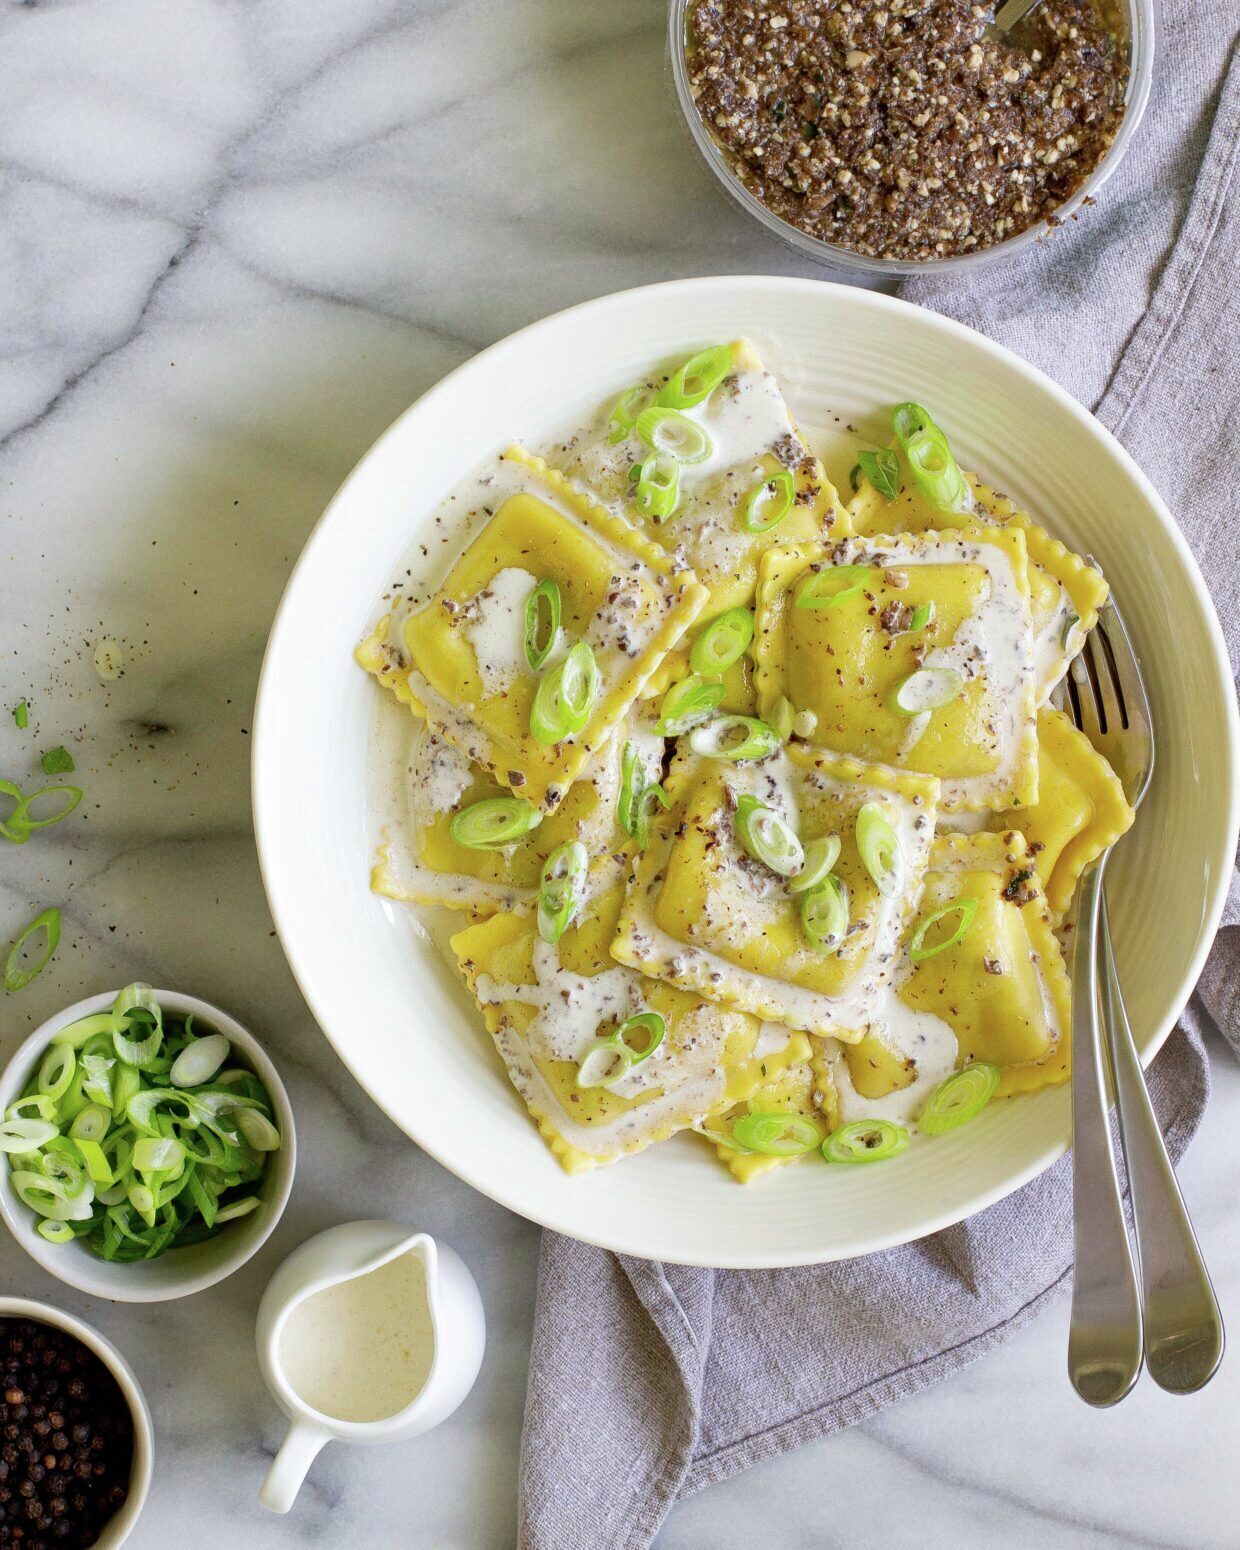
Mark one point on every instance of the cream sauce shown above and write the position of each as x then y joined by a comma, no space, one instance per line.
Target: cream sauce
921,1037
495,628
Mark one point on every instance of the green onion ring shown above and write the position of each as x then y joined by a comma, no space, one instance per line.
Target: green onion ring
768,503
928,689
653,793
625,412
960,1098
648,1023
820,856
25,1135
734,738
15,834
965,908
767,838
56,1071
632,779
923,615
930,459
17,978
604,1063
723,642
882,469
782,718
658,486
566,696
55,1232
21,817
865,1141
544,600
562,889
667,430
494,823
879,848
852,580
687,704
697,379
776,1134
824,914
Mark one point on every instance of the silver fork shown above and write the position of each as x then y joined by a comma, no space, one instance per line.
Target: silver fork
1174,1317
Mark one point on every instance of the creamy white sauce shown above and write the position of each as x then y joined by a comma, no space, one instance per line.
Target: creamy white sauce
921,1037
362,1350
495,628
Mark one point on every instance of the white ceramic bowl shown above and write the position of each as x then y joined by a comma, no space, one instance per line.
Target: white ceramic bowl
393,1007
120,1526
178,1272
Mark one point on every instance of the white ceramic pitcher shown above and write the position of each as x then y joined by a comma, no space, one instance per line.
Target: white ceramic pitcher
347,1253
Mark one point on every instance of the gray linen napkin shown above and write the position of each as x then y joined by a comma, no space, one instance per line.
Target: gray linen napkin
649,1381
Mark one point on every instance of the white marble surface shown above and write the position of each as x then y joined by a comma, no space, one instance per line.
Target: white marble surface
236,238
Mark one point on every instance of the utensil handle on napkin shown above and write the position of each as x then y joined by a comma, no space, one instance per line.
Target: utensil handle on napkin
1183,1327
1104,1341
299,1450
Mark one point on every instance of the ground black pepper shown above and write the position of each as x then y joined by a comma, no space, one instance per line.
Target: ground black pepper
66,1440
898,128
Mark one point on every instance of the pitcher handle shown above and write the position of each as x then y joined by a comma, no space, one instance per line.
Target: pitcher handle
299,1450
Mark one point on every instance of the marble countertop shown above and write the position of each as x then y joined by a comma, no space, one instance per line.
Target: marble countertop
236,239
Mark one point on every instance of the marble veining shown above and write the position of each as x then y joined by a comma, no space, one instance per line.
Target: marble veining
237,237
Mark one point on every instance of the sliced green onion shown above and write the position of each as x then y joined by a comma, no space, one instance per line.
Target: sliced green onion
55,1232
145,1019
562,889
865,1141
930,459
879,848
734,738
56,1071
820,856
929,688
768,503
833,585
625,412
96,1162
126,1082
494,823
49,1197
723,642
687,704
697,379
566,696
237,1208
25,1135
667,430
605,1062
23,816
15,976
960,1098
782,718
543,609
21,716
648,1029
1069,625
155,1154
92,1124
722,1138
199,1060
650,795
882,469
57,761
632,779
767,838
922,615
658,486
776,1135
15,834
966,909
824,914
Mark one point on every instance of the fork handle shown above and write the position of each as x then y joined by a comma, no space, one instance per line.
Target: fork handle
1183,1326
1104,1340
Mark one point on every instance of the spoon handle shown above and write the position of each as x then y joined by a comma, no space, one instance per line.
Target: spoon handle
1183,1326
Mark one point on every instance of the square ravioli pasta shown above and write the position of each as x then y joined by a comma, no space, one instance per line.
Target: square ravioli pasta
547,1007
909,650
797,1093
421,862
1066,591
980,977
703,913
462,659
755,484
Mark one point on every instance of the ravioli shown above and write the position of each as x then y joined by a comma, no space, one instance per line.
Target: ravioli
844,661
546,1005
753,437
794,1091
463,654
702,914
1066,591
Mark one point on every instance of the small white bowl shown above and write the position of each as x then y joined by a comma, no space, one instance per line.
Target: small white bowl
178,1272
120,1525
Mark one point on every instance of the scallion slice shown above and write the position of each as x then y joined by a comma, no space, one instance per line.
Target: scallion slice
632,779
17,977
960,1098
930,459
14,833
687,704
562,889
494,823
658,486
820,856
641,1035
199,1061
865,1141
882,469
768,503
734,738
667,430
650,796
543,610
922,616
879,847
566,696
775,1134
55,1232
56,1071
25,1135
963,909
624,415
767,838
21,716
929,688
824,914
723,642
57,761
24,816
833,585
697,379
782,718
604,1063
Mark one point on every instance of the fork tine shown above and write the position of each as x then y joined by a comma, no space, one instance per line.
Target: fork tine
1082,699
1127,667
1110,711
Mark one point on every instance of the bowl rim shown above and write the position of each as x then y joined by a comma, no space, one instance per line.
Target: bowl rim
1145,23
269,782
95,1276
141,1471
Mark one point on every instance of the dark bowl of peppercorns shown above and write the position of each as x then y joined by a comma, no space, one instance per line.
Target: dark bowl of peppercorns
75,1433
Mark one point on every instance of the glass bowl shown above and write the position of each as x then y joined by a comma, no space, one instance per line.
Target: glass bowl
1137,21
